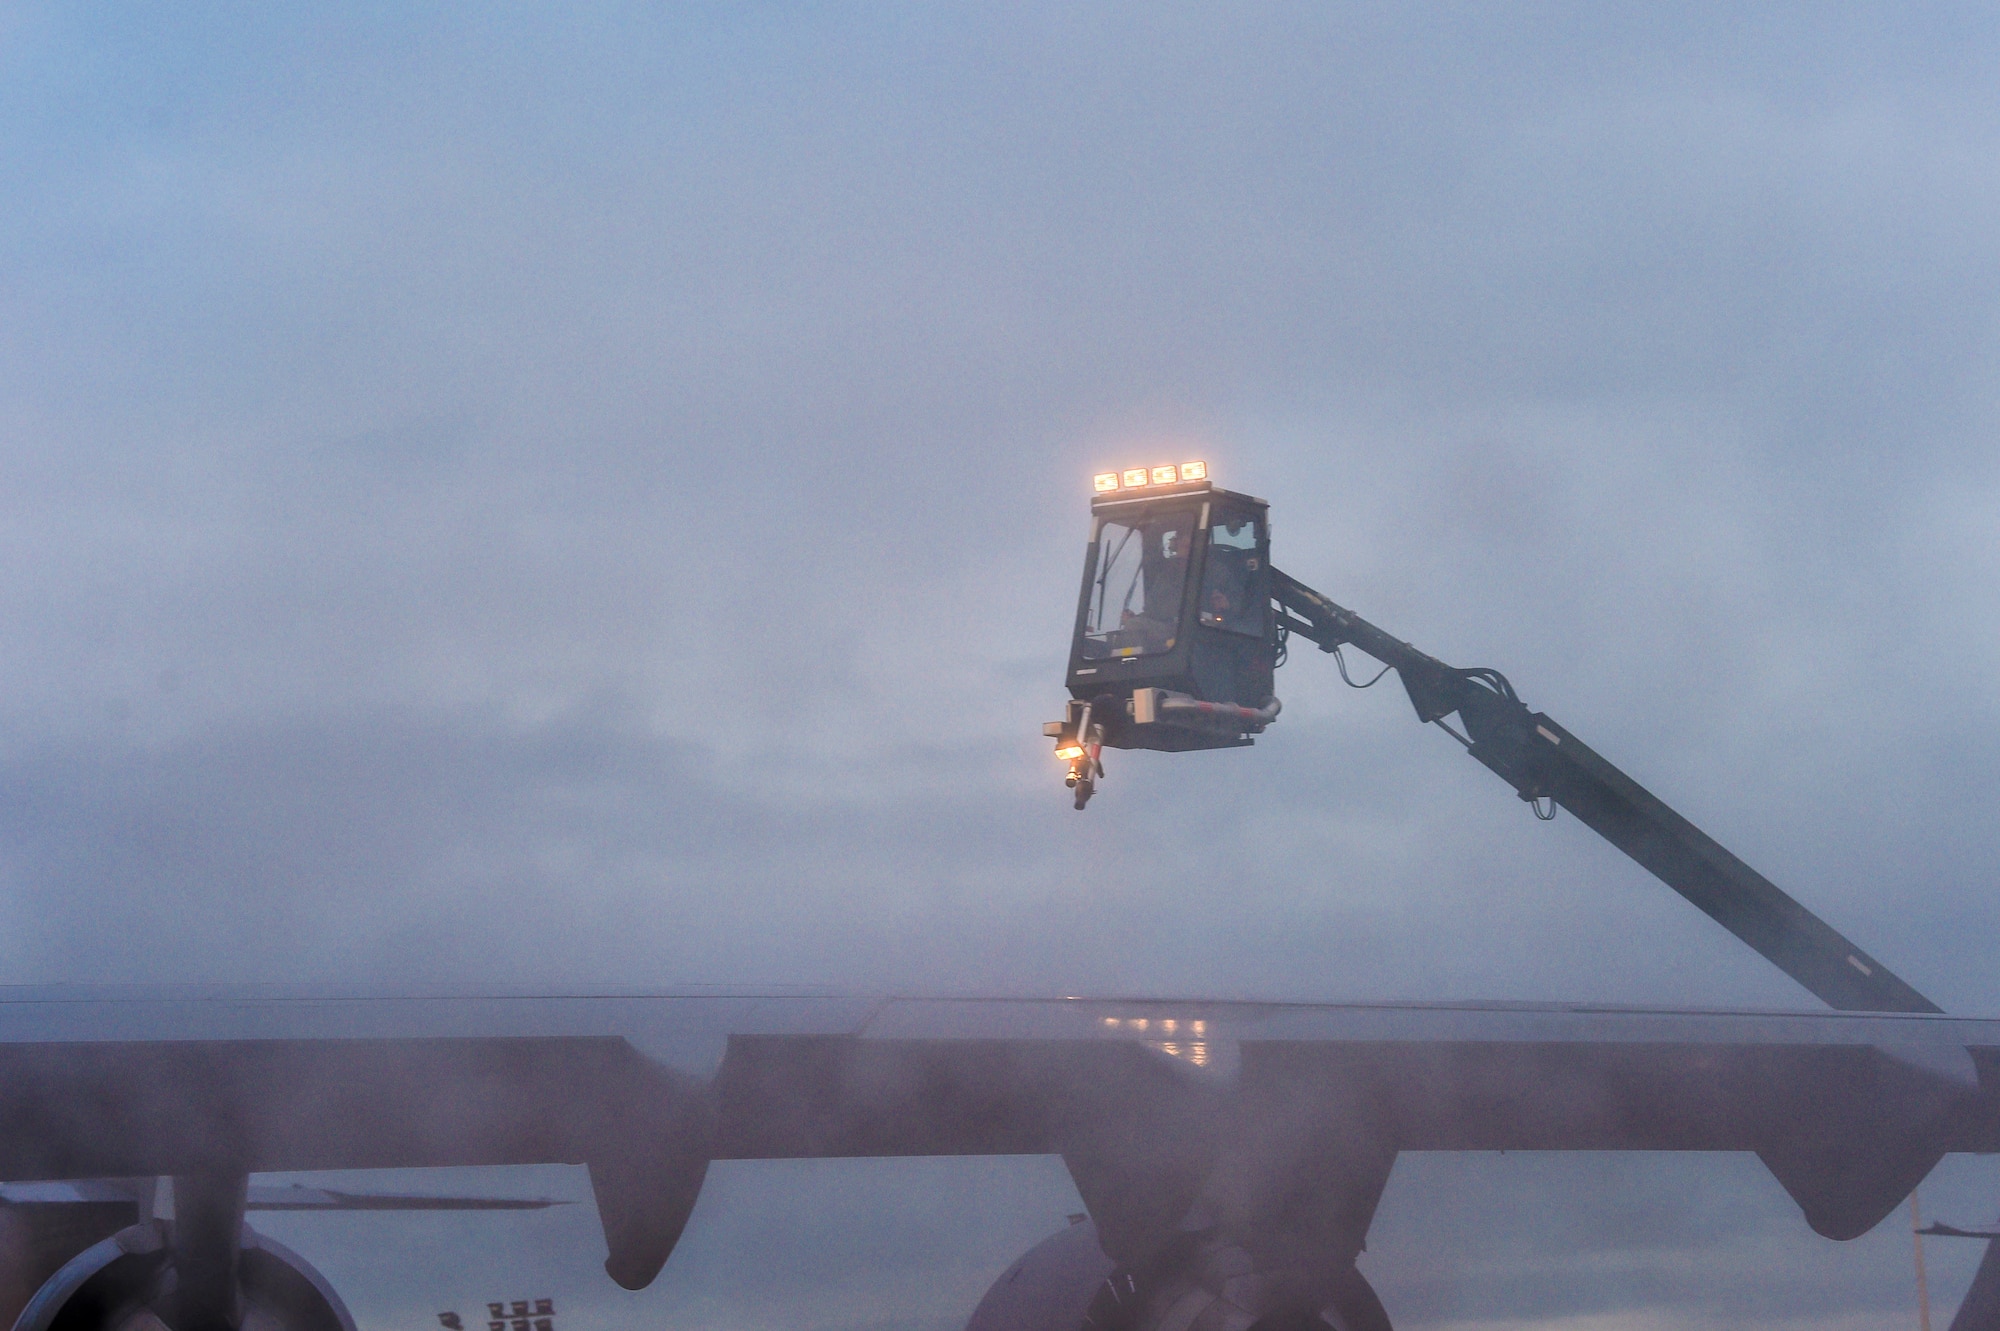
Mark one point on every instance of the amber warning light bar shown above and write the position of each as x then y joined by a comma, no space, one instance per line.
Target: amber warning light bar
1139,477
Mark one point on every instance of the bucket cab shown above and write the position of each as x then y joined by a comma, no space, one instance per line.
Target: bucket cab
1174,645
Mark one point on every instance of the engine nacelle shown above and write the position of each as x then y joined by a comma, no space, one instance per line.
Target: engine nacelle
127,1282
1066,1283
1050,1288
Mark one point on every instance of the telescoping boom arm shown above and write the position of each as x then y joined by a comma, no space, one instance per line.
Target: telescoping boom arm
1549,766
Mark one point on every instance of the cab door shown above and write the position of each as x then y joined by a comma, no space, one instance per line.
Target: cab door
1233,659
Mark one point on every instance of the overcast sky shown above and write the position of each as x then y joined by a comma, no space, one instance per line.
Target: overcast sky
593,497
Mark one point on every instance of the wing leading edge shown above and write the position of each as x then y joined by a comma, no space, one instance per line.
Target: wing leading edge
1148,1101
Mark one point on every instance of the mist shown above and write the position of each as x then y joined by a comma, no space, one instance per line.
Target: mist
594,499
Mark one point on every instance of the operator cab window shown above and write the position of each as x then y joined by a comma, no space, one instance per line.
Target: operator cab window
1136,588
1232,595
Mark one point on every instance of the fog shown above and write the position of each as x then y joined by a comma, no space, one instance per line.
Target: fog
594,498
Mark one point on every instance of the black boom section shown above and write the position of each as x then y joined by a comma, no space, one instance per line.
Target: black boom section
1729,891
1543,761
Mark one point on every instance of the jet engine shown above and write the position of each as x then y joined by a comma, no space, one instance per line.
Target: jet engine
1066,1283
130,1282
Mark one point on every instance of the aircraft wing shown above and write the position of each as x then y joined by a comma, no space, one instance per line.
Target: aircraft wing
1139,1096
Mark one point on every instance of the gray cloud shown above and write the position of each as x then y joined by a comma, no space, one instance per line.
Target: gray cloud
595,500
